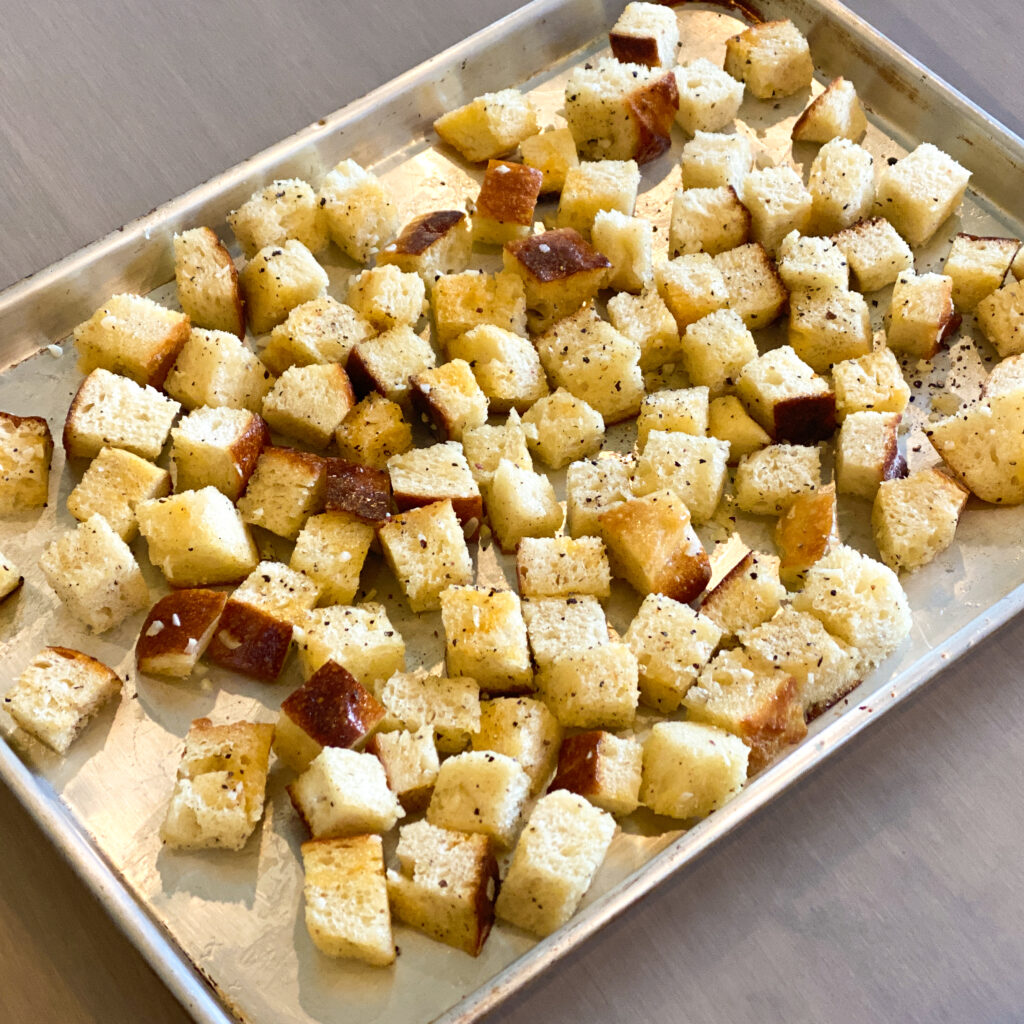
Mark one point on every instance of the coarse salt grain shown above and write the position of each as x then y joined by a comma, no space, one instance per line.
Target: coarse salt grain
155,627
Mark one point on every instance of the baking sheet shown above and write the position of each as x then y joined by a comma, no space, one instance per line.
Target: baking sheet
236,915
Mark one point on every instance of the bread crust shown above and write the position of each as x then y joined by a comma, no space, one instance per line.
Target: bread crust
362,491
578,763
420,234
509,192
654,109
806,419
333,708
250,641
633,49
556,255
197,612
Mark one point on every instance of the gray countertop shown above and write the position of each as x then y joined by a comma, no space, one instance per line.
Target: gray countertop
886,887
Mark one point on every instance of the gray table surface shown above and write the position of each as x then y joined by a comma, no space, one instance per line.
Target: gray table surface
887,887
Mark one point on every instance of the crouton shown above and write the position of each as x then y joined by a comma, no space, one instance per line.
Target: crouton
715,349
521,503
384,364
711,220
506,366
768,480
593,485
26,448
805,531
207,281
875,252
829,326
486,446
692,287
603,768
272,215
807,263
490,126
977,267
647,321
359,210
431,245
692,467
214,448
177,631
425,475
629,243
276,280
709,97
728,421
463,301
772,58
713,160
778,203
285,489
1001,319
553,153
11,579
522,728
561,566
835,113
867,453
842,185
331,549
319,331
450,706
450,398
410,763
645,34
874,382
251,641
216,369
752,280
749,594
562,428
505,205
360,638
921,314
373,431
597,185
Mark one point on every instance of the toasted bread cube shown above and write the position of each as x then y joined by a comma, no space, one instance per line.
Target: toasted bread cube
177,631
728,421
358,491
755,289
835,113
207,280
749,594
768,480
645,34
358,209
346,899
715,349
914,519
684,410
133,336
603,768
875,252
320,331
555,861
690,769
107,411
506,366
331,549
450,398
560,271
594,186
521,503
436,243
807,263
221,785
921,313
867,453
920,191
215,448
805,531
505,205
386,298
217,369
461,302
692,467
57,695
425,475
524,729
250,640
711,220
692,287
561,428
286,488
561,566
95,575
280,590
709,97
1001,318
553,153
629,243
411,764
977,267
373,431
10,579
26,448
486,446
873,382
449,706
446,885
656,546
620,111
778,203
593,485
646,320
712,160
772,57
490,126
842,185
385,363
787,397
360,638
273,215
276,280
559,625
829,326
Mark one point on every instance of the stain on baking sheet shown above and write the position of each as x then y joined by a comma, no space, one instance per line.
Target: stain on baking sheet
748,11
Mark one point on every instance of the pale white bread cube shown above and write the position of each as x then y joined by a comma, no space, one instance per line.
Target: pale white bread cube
562,846
755,289
914,519
749,594
684,410
629,243
522,728
95,575
562,566
645,34
715,349
10,578
113,411
505,206
561,428
463,301
594,688
593,485
692,467
431,245
490,126
322,330
285,489
977,267
213,447
787,397
221,784
1001,319
485,639
115,482
344,793
521,503
729,421
867,453
387,298
768,480
655,546
216,369
373,431
283,210
385,363
450,398
506,366
603,768
743,694
57,695
426,550
805,532
26,448
485,447
772,58
207,281
690,769
276,280
778,202
421,476
807,262
707,220
133,336
559,625
359,210
553,153
835,113
445,886
448,705
714,160
842,185
360,638
620,111
177,631
828,326
858,600
220,548
480,792
920,191
876,253
597,185
874,382
691,286
281,591
346,899
709,97
921,314
410,763
671,643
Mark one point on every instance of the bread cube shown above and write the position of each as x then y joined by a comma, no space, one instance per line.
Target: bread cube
217,369
450,398
177,631
490,126
629,243
712,160
914,519
772,57
133,336
26,448
875,252
486,446
320,331
218,795
778,203
561,428
359,491
384,364
286,488
656,546
95,575
562,846
431,245
829,326
505,205
427,552
107,411
805,531
715,349
597,185
410,763
728,421
272,215
480,792
250,640
359,210
553,153
684,410
284,592
10,579
593,485
562,566
709,97
373,431
749,594
646,320
57,695
709,220
835,113
207,281
214,448
692,287
506,366
559,625
787,397
461,302
524,729
874,382
645,34
359,638
977,267
331,549
921,314
620,111
521,503
755,289
386,298
867,453
768,480
603,768
425,475
1001,318
920,191
694,468
449,706
807,263
842,185
346,899
690,769
276,280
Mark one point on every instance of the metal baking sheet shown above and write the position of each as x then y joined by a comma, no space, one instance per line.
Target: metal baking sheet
236,920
